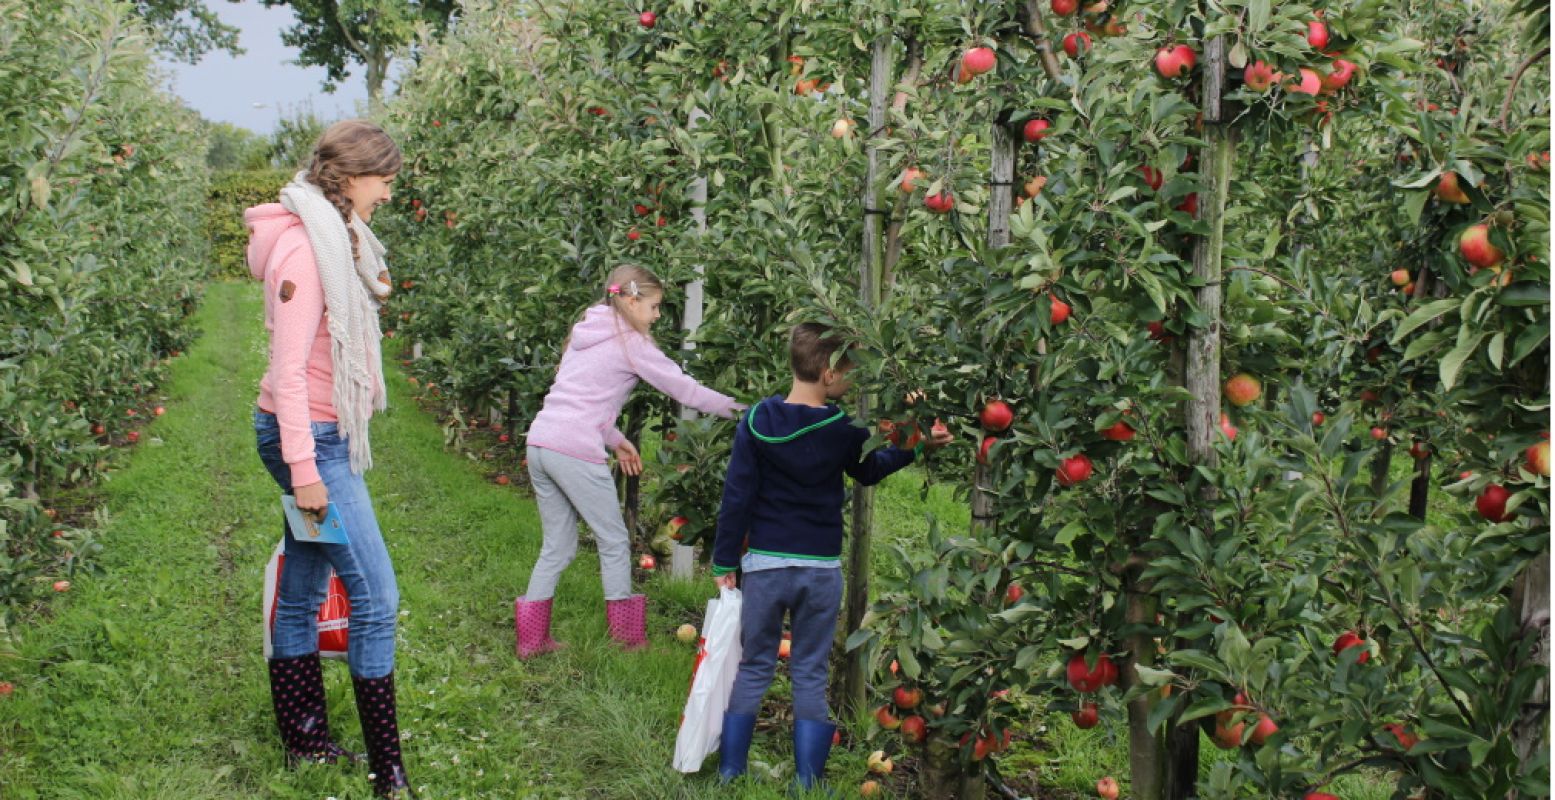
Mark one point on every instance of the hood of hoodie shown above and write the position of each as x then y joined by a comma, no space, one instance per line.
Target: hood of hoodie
600,324
800,440
265,225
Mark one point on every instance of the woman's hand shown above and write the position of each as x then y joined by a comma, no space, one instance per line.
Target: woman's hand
725,581
313,498
627,456
939,435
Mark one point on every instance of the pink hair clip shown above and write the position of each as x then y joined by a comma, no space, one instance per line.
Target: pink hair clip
614,289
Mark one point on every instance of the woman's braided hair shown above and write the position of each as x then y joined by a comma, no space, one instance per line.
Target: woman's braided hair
350,149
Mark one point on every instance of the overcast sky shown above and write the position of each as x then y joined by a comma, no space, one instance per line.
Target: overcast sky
227,88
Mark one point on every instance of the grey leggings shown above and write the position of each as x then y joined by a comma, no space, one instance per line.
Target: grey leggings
567,489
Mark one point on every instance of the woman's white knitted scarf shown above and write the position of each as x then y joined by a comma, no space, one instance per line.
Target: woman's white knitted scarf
353,291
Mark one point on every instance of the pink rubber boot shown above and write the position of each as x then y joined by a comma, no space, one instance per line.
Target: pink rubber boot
628,621
532,624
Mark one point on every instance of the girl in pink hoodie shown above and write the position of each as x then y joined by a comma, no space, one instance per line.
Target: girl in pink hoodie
569,441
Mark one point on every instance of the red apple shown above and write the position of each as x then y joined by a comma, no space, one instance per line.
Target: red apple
1537,459
1157,330
1419,450
633,235
914,729
132,436
1474,244
1310,83
1058,310
1034,186
503,480
1226,427
158,411
1119,432
646,562
504,438
785,646
1107,789
1317,34
1448,190
62,586
647,19
906,698
1036,130
6,688
1350,639
1190,204
1064,8
1258,76
1175,61
1340,77
1243,389
1400,277
1086,679
887,719
1073,470
1263,730
982,451
1013,593
869,789
640,210
1317,418
996,416
1227,736
1153,177
1077,43
978,60
1406,739
1491,503
940,203
1087,717
1319,796
1379,433
910,177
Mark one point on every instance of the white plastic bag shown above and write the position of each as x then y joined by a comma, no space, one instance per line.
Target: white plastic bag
334,621
712,678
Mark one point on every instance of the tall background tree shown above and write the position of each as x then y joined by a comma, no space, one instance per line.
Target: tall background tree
335,33
187,29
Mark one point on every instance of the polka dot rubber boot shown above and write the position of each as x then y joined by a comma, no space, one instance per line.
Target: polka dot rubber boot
297,691
532,624
627,621
381,730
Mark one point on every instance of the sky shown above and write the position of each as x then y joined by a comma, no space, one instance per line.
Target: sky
256,89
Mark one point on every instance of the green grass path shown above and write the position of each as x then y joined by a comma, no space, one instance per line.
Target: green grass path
147,681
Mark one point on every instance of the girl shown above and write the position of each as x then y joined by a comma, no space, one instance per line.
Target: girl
602,359
324,279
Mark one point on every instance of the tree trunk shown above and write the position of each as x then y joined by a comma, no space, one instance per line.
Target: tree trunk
1380,466
942,777
854,680
377,70
1420,488
1202,377
1147,768
1002,179
1531,599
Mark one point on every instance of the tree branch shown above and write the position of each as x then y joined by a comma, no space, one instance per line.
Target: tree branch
1506,105
1036,29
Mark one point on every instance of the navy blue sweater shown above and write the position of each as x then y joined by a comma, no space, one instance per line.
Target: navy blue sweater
784,487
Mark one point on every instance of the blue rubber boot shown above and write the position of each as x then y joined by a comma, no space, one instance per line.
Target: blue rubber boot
734,745
812,746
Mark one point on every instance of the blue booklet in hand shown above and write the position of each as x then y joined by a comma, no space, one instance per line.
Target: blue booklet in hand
305,528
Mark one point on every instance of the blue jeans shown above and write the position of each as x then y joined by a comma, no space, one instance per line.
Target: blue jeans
363,565
811,597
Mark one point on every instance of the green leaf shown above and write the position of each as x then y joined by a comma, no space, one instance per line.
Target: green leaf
1150,676
1453,362
1525,293
1422,315
1495,349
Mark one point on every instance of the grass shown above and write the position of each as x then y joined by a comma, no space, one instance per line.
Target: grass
148,681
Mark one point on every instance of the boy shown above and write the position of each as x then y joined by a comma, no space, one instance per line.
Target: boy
784,492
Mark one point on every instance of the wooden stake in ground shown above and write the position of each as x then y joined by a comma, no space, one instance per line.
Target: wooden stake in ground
854,677
683,557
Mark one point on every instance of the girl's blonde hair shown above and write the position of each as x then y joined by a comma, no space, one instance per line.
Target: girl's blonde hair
351,148
626,280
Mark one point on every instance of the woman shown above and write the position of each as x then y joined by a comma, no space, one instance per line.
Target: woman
325,278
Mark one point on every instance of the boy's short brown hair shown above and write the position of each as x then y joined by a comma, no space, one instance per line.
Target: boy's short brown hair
810,350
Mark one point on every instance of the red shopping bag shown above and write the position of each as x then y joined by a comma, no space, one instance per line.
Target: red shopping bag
334,621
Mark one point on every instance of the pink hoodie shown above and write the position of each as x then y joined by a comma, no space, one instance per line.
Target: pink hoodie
299,382
601,366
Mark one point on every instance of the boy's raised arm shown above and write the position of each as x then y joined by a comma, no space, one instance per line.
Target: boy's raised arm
872,468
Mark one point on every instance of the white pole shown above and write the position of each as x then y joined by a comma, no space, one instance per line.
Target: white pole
683,557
